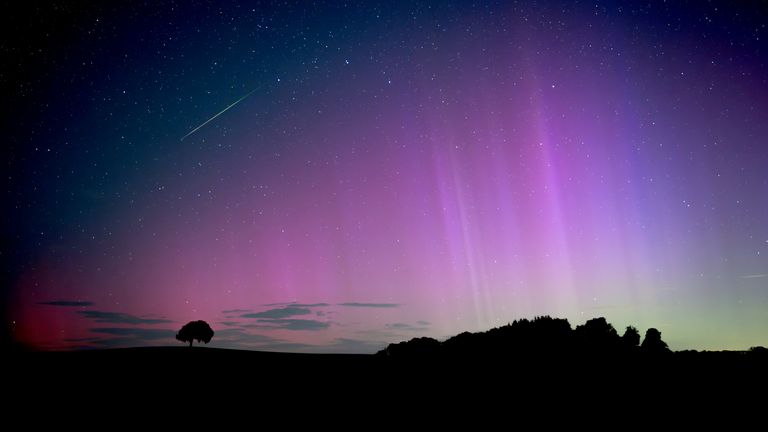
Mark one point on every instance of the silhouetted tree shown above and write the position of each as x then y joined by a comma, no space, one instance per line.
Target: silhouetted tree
532,340
631,337
653,343
541,336
597,336
416,347
195,330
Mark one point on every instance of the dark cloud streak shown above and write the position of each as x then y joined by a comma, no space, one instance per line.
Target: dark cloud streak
67,303
231,311
289,324
137,333
409,327
120,318
370,305
279,313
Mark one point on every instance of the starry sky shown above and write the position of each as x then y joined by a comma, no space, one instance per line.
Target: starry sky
382,170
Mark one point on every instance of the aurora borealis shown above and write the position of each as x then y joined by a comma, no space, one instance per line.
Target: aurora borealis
401,169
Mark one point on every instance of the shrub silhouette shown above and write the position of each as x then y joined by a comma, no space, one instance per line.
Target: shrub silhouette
652,343
540,336
597,336
631,337
423,346
195,330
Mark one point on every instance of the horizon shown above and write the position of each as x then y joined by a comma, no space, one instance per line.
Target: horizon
341,176
622,349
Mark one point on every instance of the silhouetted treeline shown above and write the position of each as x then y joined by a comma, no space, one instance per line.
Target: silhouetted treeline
541,337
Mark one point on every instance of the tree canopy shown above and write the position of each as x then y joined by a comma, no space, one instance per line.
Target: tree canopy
195,330
542,336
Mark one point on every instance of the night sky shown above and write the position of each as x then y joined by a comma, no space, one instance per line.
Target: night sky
384,170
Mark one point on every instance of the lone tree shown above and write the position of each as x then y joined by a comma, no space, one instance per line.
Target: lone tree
192,330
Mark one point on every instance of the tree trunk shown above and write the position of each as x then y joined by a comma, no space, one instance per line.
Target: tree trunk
190,343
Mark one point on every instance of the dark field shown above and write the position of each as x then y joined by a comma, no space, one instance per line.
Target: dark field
181,371
202,387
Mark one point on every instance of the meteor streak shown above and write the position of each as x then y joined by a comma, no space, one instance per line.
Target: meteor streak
220,113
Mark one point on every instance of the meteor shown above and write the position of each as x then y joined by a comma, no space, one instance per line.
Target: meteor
220,113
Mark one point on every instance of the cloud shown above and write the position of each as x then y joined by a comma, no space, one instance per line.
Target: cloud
136,333
111,342
381,334
754,276
231,311
237,338
398,326
119,318
88,339
370,305
279,313
295,304
301,324
289,324
123,342
240,336
69,303
409,327
229,323
353,346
